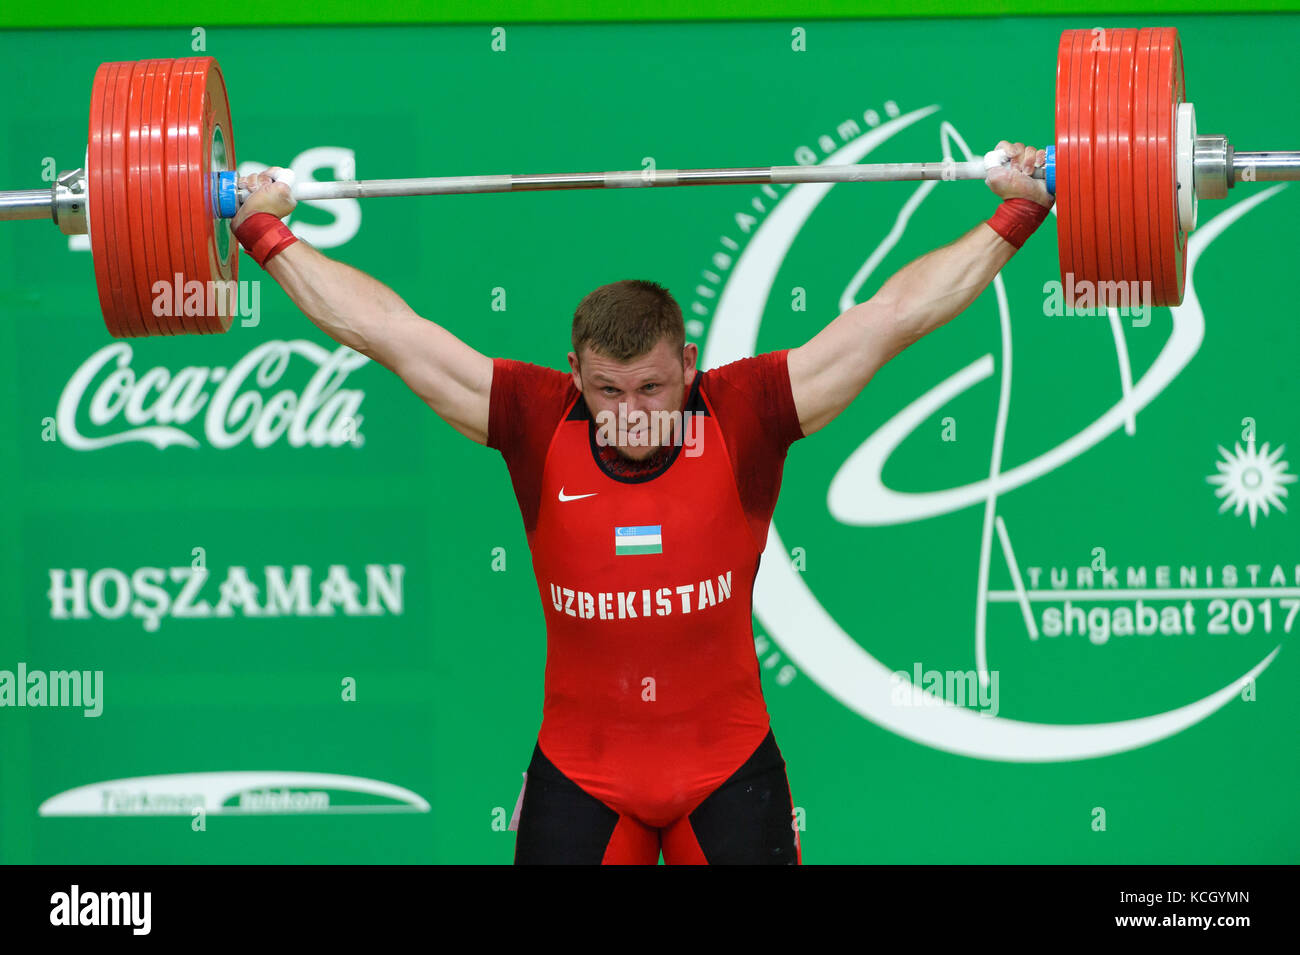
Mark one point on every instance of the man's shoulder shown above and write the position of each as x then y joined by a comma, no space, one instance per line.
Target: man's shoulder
754,393
747,374
519,367
531,381
524,397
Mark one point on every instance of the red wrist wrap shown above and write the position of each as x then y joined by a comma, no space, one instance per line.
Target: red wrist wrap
1016,220
263,236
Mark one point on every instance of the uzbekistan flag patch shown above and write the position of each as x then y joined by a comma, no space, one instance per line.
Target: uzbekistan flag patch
642,539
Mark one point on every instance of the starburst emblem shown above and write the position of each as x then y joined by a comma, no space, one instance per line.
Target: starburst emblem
1251,479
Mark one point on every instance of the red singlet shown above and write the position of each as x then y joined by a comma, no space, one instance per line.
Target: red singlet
652,694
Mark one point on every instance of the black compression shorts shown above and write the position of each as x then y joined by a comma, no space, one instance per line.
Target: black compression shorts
748,820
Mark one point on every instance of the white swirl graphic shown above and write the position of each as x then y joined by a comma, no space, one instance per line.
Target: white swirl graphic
792,614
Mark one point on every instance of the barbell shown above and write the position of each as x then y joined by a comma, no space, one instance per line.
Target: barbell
158,189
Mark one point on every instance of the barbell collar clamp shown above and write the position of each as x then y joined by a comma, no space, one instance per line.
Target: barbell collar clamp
68,202
1213,165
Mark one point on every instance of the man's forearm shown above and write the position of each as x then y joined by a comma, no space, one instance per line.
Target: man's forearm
940,285
348,305
830,370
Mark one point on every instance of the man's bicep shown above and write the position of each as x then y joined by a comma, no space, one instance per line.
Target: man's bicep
833,367
452,378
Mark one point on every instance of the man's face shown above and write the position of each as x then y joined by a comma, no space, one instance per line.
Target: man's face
624,396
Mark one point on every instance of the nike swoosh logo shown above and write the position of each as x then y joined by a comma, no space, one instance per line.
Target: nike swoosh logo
575,497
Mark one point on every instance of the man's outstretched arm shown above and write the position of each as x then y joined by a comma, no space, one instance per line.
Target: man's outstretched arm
362,313
830,370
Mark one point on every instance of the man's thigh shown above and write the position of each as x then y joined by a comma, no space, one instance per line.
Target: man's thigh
748,820
562,824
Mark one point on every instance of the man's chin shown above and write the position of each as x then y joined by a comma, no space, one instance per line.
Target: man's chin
636,452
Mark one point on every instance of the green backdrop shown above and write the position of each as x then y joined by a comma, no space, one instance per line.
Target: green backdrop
389,554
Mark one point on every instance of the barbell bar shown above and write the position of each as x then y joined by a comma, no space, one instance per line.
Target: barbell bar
1127,168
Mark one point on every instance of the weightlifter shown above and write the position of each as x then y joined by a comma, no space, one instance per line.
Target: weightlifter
655,736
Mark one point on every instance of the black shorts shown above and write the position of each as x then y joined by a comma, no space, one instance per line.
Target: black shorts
748,820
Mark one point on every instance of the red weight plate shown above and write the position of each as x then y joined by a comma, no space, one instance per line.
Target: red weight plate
219,155
1178,249
93,215
192,188
210,235
103,217
1142,198
1110,269
1115,146
137,197
1169,185
1115,143
1067,167
1072,135
182,171
113,220
1122,240
173,170
155,233
195,191
1064,171
125,188
1085,180
1180,96
1166,144
1116,125
1162,168
97,212
120,254
1097,117
141,264
1078,47
1082,107
1102,185
1156,91
1088,132
160,225
156,210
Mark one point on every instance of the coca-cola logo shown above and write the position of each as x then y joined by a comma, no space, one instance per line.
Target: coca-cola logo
107,402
